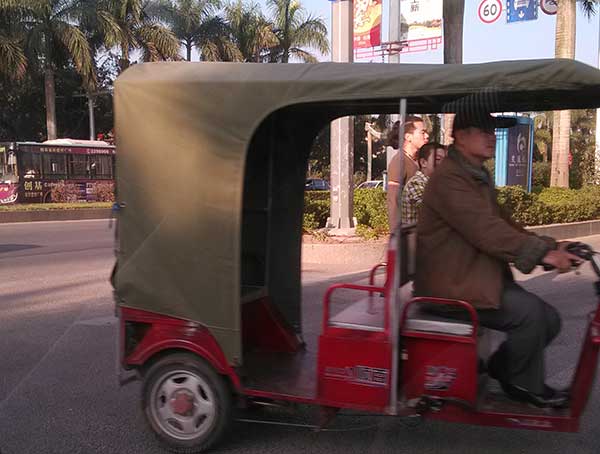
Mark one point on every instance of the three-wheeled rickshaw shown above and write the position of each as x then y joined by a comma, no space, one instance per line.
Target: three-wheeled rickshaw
210,185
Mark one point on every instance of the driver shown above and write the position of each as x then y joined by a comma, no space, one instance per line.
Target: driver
464,246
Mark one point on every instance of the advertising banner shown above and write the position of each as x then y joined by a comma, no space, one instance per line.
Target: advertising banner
420,19
367,23
519,148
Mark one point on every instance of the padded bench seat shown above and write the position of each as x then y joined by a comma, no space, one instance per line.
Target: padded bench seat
366,314
420,320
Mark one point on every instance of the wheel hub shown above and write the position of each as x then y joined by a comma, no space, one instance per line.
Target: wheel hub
182,403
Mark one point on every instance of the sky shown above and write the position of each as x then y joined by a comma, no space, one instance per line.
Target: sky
490,42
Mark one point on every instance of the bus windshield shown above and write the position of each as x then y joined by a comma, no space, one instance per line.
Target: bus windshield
7,165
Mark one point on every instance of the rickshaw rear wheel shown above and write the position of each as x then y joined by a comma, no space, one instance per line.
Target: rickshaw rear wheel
186,403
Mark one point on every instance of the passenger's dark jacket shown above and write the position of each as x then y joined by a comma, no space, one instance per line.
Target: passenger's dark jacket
465,241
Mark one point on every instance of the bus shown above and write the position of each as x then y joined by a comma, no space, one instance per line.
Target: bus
61,170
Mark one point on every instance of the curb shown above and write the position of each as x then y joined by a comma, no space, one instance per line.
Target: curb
363,253
569,230
55,215
372,252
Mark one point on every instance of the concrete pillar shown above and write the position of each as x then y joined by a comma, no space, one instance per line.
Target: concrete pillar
341,218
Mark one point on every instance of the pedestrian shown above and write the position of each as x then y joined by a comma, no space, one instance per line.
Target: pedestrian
415,136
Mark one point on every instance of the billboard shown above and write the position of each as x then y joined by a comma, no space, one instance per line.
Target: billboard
367,23
420,19
518,153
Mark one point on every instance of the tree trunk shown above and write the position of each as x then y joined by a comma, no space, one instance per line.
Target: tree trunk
564,48
50,92
124,60
454,12
188,49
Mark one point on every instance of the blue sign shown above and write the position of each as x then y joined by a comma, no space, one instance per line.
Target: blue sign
521,10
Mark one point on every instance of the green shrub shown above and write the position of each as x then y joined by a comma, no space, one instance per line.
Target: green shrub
370,208
524,207
316,210
549,206
572,205
541,174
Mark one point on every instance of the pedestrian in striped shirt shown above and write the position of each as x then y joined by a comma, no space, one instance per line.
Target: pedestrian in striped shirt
428,157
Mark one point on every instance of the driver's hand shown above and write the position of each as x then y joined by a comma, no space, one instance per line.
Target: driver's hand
561,259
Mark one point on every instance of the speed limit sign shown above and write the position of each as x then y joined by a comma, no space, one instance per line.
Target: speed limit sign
490,10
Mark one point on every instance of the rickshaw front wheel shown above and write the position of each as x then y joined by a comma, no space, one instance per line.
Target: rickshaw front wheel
187,404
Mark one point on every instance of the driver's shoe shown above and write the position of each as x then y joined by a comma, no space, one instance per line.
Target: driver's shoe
550,398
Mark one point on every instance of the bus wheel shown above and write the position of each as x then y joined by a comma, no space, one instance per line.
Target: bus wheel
187,404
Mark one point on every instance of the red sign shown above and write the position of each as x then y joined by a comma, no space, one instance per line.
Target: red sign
489,11
367,23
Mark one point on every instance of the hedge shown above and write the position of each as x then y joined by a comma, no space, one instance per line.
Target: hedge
549,206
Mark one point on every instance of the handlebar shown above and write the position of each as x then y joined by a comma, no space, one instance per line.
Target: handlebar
583,251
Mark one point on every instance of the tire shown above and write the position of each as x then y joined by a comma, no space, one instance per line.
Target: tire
186,403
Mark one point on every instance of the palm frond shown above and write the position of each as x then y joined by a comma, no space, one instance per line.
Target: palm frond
159,38
77,46
35,5
303,55
13,63
313,33
589,7
149,52
111,30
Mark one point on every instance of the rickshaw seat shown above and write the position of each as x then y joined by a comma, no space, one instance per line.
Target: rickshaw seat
366,314
420,320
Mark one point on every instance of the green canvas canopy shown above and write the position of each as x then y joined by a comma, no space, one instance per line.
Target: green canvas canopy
212,159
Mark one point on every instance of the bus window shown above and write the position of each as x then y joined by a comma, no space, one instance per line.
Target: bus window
30,165
100,167
78,166
54,166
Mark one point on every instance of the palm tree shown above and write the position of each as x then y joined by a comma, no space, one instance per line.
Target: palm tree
252,34
197,25
13,62
140,28
54,38
295,30
565,48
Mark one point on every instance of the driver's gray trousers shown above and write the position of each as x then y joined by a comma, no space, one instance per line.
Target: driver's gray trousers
530,325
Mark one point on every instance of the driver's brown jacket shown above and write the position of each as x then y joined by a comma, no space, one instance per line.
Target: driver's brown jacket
464,240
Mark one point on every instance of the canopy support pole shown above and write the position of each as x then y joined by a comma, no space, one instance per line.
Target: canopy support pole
396,303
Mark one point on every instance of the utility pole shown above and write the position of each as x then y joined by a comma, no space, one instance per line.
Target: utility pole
597,156
393,57
341,218
90,101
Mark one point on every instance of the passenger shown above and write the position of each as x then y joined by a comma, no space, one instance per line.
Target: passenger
429,157
415,136
464,246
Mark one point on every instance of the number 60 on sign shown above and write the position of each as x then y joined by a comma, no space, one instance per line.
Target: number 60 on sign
489,11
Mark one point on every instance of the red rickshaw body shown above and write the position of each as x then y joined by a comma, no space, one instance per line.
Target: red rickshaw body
208,286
